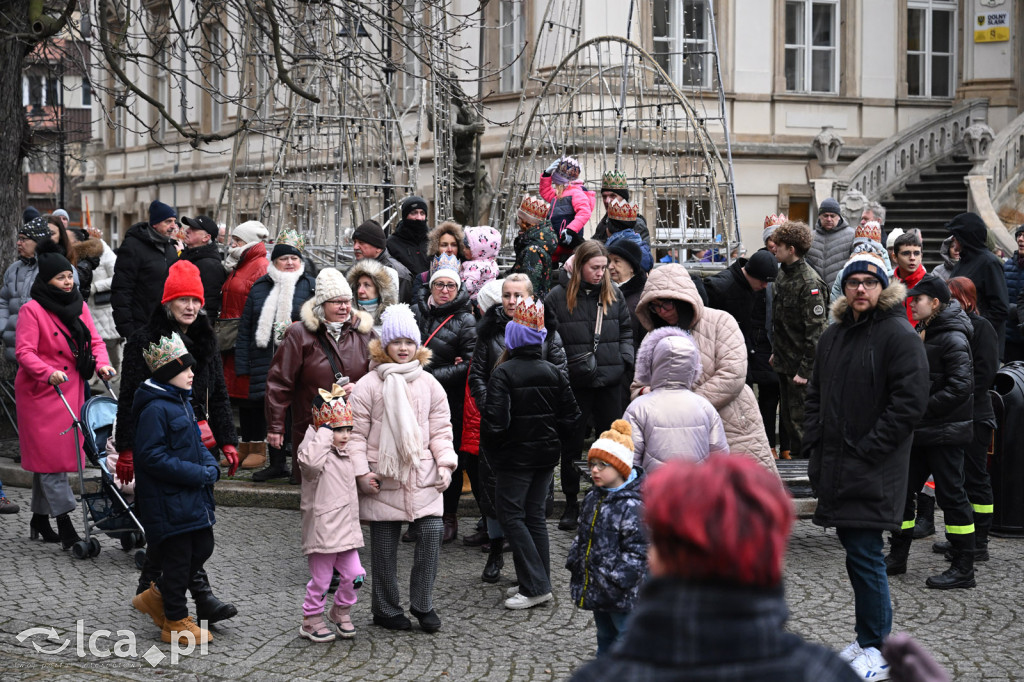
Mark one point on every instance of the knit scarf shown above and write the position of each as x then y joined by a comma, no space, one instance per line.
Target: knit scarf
400,433
277,309
66,306
370,306
234,256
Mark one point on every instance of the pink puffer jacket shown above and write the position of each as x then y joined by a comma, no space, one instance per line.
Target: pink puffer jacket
723,359
330,503
419,497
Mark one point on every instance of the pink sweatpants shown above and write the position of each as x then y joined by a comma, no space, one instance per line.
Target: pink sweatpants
321,569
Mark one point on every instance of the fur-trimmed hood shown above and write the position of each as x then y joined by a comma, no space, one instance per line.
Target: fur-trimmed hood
892,296
387,286
669,282
447,227
379,356
90,248
363,322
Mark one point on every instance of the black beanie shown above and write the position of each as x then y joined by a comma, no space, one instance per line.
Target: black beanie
621,191
51,260
371,233
629,251
173,368
411,204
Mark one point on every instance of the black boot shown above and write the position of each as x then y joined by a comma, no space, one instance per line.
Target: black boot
276,468
925,523
899,552
495,562
982,524
960,573
67,533
208,607
39,529
570,517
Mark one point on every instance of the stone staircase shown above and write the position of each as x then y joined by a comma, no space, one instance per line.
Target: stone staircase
929,203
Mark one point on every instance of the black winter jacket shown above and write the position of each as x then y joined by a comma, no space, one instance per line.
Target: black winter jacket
702,632
211,272
632,290
729,290
985,351
528,414
604,229
867,393
249,358
170,464
615,352
408,246
978,264
209,392
950,412
759,345
139,275
490,344
455,338
1013,272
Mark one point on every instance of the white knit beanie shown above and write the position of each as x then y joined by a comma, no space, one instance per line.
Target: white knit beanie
331,284
251,231
489,295
398,322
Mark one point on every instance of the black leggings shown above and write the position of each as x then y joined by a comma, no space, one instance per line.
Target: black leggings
453,493
252,420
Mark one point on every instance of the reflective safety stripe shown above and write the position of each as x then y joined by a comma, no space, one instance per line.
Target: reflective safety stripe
907,525
984,508
960,530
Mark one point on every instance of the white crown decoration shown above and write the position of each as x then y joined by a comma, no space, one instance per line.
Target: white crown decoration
620,209
164,351
530,314
334,411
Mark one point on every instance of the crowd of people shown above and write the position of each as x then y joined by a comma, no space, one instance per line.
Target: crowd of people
423,366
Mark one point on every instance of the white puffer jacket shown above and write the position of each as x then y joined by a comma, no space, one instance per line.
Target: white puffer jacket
102,276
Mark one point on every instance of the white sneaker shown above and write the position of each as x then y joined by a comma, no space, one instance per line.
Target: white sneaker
512,591
851,652
521,601
870,665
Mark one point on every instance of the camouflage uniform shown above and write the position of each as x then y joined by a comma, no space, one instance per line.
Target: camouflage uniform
799,314
535,251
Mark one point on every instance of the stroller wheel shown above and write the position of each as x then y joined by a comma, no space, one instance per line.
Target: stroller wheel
128,541
140,559
80,549
140,538
94,547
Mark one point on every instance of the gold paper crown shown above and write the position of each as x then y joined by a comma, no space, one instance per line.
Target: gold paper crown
535,207
444,261
568,168
334,411
614,180
620,209
164,351
529,314
291,238
774,220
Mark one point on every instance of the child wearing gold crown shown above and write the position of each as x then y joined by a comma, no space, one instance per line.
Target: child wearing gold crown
331,535
571,205
527,416
174,474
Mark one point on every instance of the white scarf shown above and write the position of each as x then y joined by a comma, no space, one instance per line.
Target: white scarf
400,446
234,256
276,314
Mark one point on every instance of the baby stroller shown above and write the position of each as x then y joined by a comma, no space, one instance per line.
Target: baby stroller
110,512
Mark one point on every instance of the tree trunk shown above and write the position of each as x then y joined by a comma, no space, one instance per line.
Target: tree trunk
13,21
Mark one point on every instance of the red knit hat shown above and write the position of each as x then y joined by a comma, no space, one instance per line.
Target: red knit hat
183,280
723,520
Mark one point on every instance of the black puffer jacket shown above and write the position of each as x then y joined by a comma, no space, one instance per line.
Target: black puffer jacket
529,412
632,290
615,353
759,345
948,420
211,272
408,246
139,275
868,391
985,350
249,358
729,290
490,344
453,339
209,392
978,264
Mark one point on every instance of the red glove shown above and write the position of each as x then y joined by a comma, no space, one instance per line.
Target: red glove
125,467
231,455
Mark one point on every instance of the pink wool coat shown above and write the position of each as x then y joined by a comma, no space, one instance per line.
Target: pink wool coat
330,502
41,350
723,355
418,497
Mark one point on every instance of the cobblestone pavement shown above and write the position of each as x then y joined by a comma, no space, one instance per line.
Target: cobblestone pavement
258,565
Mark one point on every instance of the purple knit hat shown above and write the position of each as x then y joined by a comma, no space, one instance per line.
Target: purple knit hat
517,335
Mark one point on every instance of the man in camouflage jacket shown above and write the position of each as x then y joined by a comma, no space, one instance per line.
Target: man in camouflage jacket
799,312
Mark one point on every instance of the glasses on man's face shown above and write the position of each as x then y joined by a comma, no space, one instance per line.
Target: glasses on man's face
598,464
443,286
868,284
660,305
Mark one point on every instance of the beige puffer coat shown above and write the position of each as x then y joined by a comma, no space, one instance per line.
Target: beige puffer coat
419,497
723,362
330,502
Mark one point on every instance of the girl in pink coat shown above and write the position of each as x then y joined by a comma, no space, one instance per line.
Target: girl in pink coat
331,535
402,452
56,345
571,205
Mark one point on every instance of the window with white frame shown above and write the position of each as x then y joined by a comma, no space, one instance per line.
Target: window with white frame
162,83
413,67
681,30
931,52
511,41
812,46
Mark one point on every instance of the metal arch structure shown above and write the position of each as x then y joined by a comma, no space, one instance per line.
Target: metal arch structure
625,107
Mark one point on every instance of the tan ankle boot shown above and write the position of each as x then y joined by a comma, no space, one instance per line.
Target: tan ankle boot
176,629
256,455
151,603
